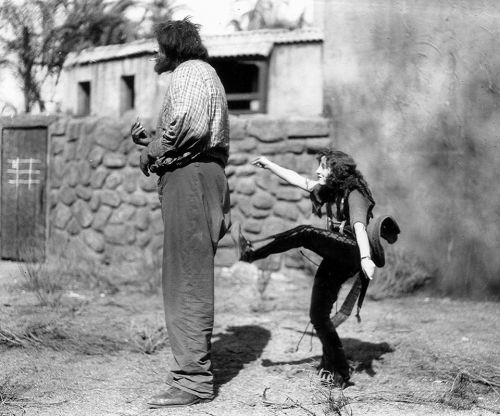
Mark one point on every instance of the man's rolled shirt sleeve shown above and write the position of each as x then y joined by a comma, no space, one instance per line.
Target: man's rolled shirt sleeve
184,124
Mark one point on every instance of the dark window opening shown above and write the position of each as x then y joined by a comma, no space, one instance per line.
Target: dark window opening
83,97
245,83
127,93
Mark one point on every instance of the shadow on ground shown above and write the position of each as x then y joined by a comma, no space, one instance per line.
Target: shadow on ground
360,353
237,346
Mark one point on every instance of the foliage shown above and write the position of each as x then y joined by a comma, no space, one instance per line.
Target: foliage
265,15
38,35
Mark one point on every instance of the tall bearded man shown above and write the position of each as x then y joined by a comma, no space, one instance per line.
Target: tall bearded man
188,153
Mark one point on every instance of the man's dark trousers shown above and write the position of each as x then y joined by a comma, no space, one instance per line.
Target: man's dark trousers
196,214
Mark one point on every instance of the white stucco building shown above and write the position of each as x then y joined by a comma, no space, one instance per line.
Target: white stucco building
273,71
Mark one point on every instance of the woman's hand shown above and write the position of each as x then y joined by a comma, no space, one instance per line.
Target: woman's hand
368,267
262,162
139,134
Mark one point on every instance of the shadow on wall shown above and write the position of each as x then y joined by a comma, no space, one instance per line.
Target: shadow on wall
421,117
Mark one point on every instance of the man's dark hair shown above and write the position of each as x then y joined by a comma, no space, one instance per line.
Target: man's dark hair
180,41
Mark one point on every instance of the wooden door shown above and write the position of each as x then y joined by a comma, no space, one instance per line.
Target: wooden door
23,193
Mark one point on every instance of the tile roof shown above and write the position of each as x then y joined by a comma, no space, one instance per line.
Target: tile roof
244,43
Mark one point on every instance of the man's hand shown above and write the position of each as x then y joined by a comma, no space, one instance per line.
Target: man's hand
139,134
368,267
145,161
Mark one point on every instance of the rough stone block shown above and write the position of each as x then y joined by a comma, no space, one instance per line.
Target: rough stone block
225,257
61,216
259,214
142,219
288,193
67,195
94,240
90,124
248,145
97,178
95,201
57,144
262,200
73,227
73,129
84,171
84,147
83,193
59,127
245,186
71,175
95,156
266,129
122,215
286,210
246,170
148,184
244,204
133,159
307,127
272,148
156,222
69,152
130,180
305,207
101,217
230,170
252,226
82,213
119,234
107,134
316,144
237,159
237,127
138,200
153,201
113,180
294,260
110,198
143,238
114,160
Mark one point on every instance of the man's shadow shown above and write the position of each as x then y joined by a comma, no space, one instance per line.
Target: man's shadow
237,346
361,353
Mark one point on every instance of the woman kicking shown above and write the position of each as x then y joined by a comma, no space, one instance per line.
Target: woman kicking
343,244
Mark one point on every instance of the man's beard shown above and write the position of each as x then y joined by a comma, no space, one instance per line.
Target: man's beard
163,64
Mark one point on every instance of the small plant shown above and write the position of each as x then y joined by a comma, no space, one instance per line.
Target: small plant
11,399
45,280
148,338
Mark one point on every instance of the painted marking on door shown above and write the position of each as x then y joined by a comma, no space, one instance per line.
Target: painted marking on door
23,172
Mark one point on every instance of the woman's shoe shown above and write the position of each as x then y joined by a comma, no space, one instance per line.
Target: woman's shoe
243,246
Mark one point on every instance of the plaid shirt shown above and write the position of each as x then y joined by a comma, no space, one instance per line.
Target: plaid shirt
193,120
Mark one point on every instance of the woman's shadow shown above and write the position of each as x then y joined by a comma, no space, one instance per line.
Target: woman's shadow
361,353
237,346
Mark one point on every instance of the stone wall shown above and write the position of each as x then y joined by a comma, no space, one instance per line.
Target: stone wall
102,207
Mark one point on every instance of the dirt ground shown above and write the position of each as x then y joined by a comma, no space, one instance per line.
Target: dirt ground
105,352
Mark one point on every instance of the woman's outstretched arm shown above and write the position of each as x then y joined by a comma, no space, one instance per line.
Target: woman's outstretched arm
292,177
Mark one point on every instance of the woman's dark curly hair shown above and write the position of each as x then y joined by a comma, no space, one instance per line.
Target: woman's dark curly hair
180,41
344,176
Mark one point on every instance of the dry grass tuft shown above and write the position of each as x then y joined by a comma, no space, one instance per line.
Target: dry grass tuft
148,338
11,400
402,274
52,336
